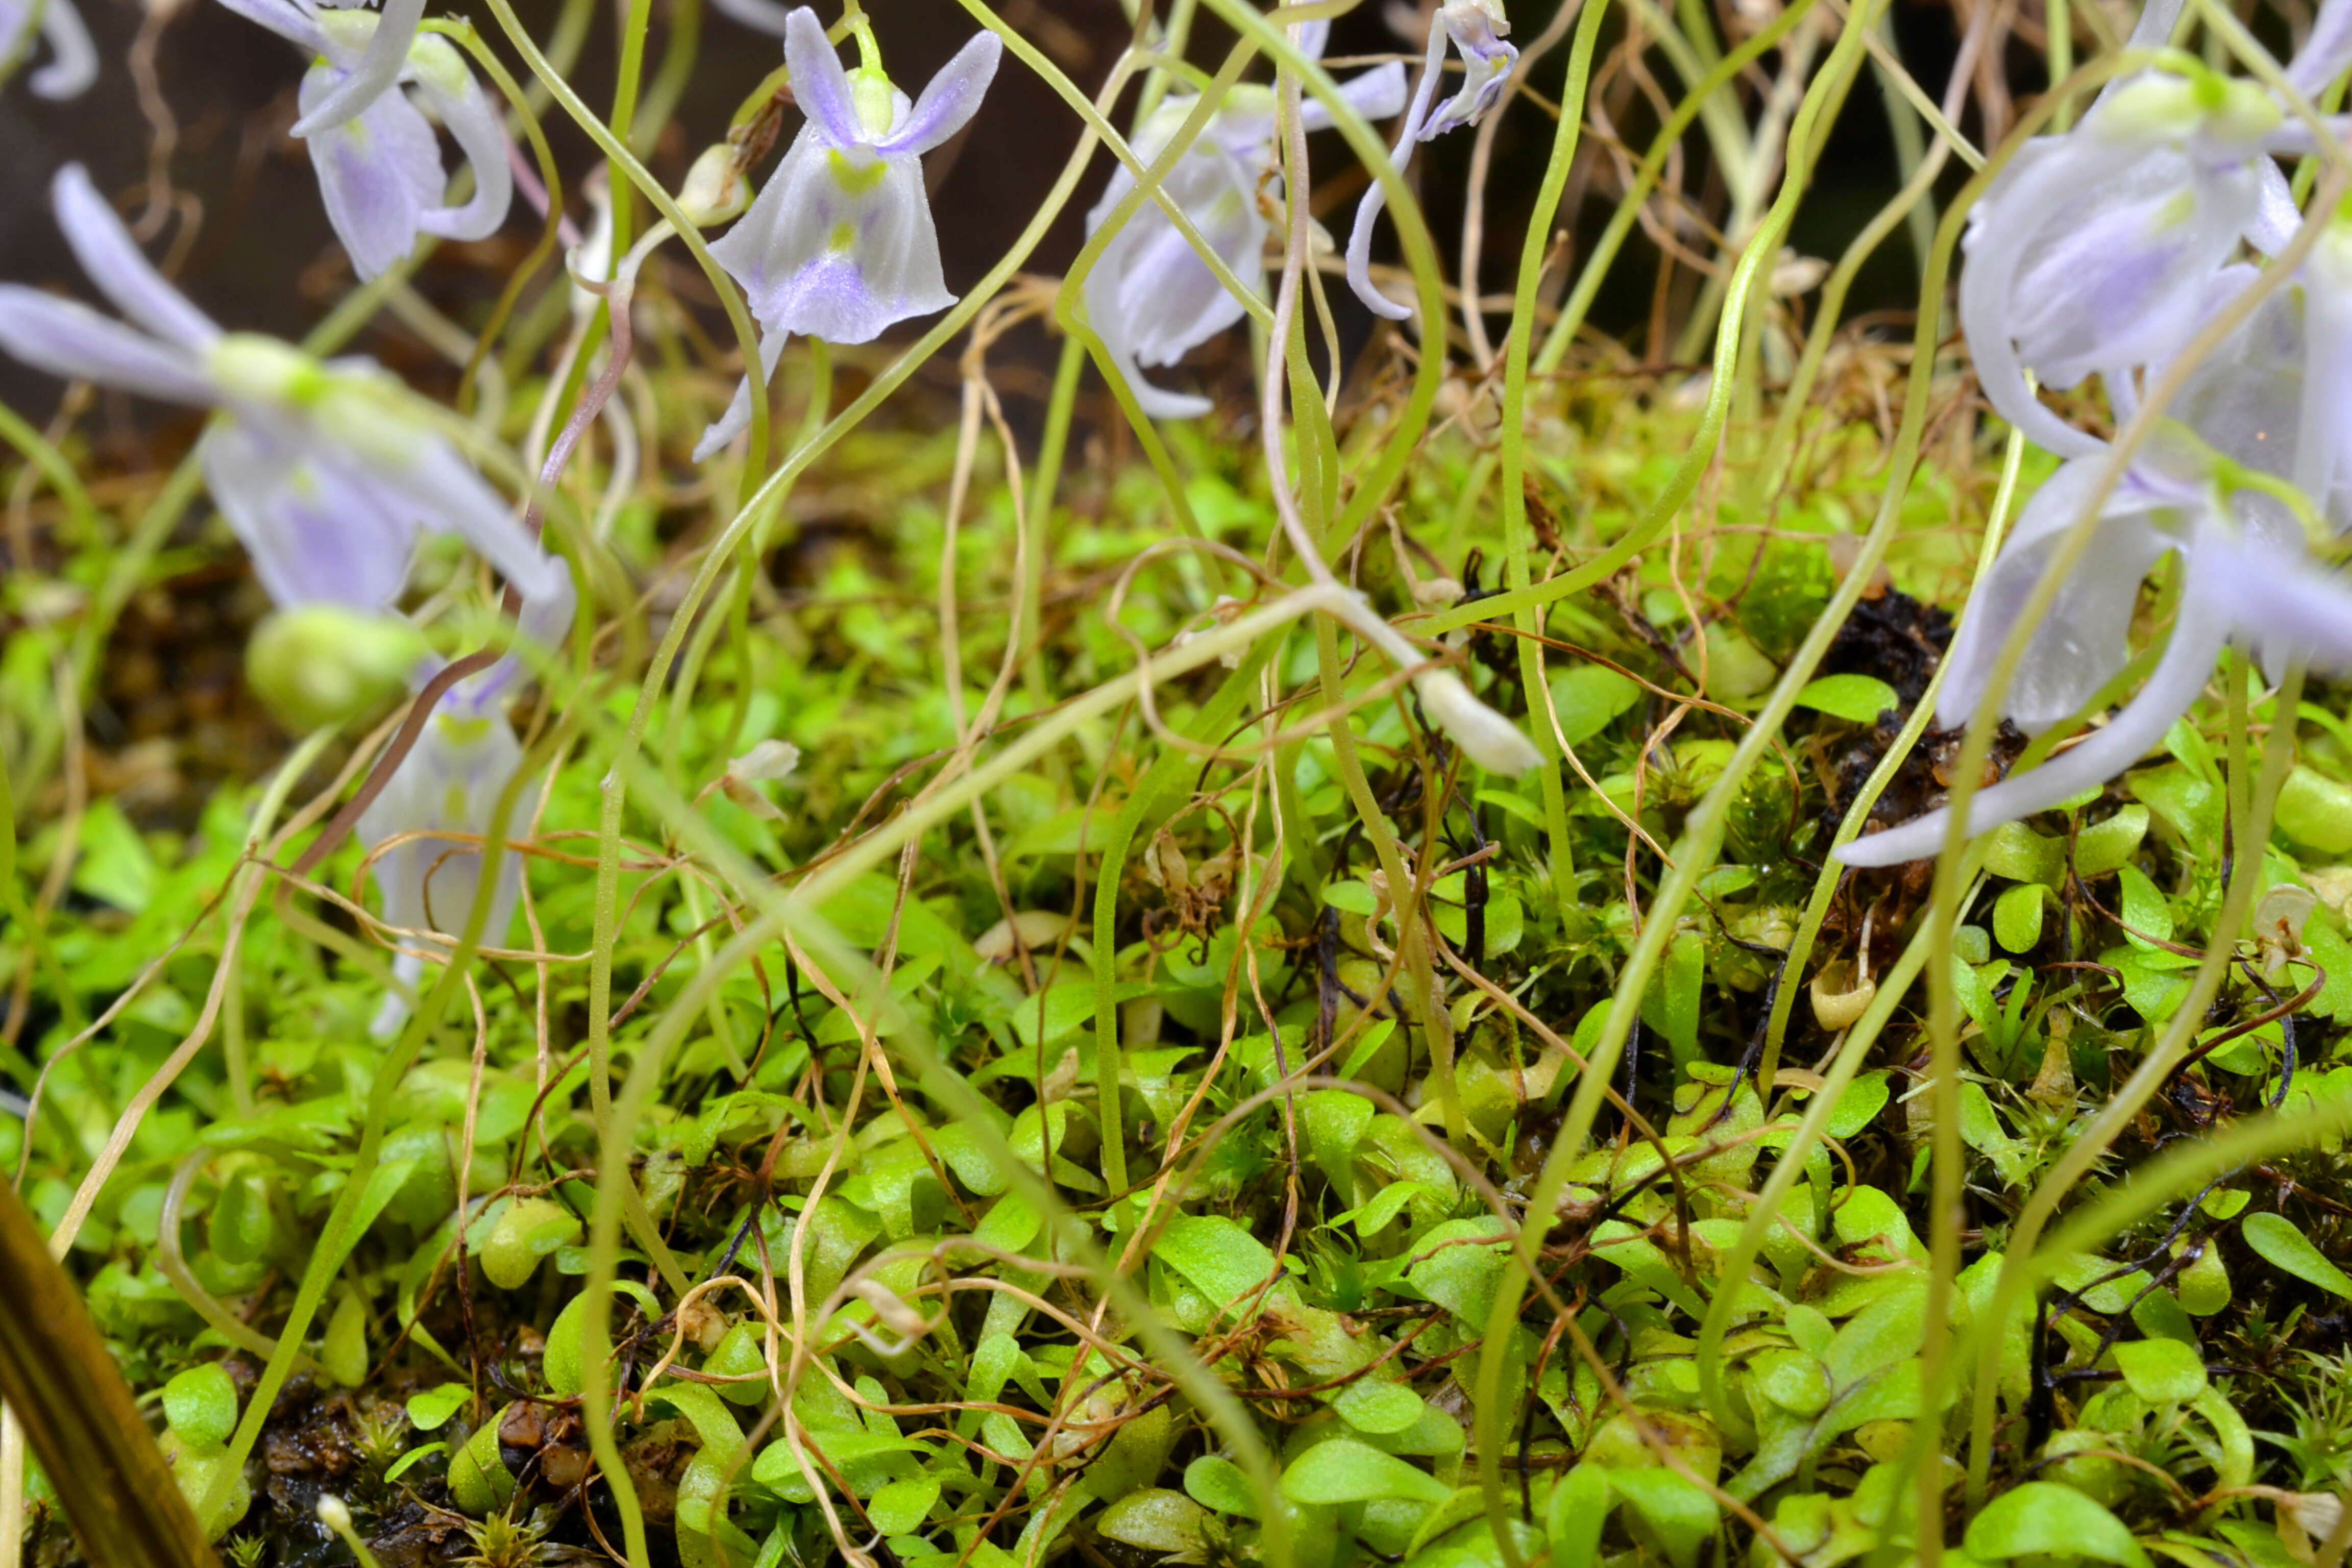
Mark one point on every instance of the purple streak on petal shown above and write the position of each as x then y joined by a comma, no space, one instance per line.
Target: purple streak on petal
481,135
949,99
2198,634
738,418
1314,37
317,530
819,84
291,21
75,67
378,68
760,15
1486,61
70,339
113,259
377,174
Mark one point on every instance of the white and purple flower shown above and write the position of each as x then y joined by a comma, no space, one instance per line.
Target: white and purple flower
2271,401
328,483
839,244
1475,30
437,806
1149,298
371,132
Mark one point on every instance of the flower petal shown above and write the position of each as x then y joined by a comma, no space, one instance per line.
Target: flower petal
2198,633
75,65
2326,51
291,21
448,784
819,84
1375,199
114,263
2031,195
949,99
838,245
480,134
69,339
318,530
1376,94
1487,62
2279,602
378,172
2084,641
738,418
379,66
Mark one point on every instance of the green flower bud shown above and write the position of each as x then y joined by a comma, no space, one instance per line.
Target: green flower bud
317,665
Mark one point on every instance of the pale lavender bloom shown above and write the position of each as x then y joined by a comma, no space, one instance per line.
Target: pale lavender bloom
840,244
1475,28
1151,298
73,59
2275,397
448,788
2100,249
328,486
377,156
2244,578
323,479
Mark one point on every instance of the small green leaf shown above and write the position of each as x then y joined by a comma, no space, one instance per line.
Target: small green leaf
200,1404
1222,1260
1342,1470
2015,851
2043,1518
1216,1482
415,1456
1157,1520
429,1411
900,1508
2316,811
2017,917
1588,697
1351,897
2280,1244
2146,914
527,1232
2102,847
1578,1508
1856,698
1680,1515
1379,1408
343,1352
2162,1371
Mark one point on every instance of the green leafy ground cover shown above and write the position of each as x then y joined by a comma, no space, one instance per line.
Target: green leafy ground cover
1233,1130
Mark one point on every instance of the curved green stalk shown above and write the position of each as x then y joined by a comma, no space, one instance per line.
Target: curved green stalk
1513,461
